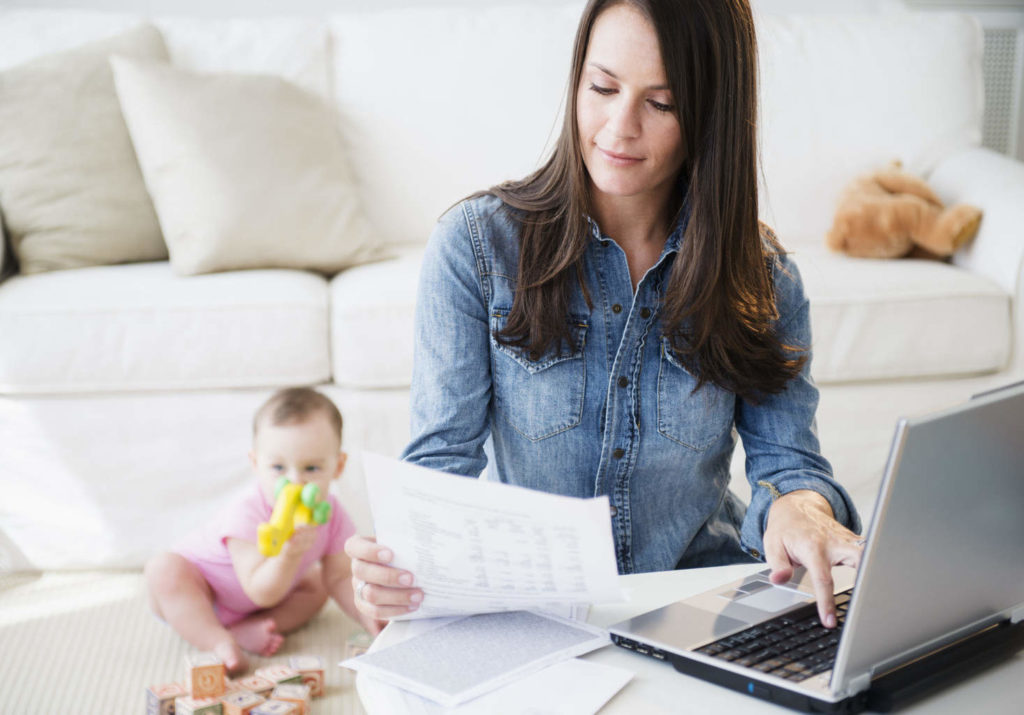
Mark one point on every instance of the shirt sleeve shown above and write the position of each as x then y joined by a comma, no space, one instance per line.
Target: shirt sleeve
451,382
780,433
242,518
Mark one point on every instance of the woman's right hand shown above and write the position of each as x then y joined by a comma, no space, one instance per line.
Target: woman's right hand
381,591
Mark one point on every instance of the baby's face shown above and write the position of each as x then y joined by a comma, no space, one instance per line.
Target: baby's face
303,452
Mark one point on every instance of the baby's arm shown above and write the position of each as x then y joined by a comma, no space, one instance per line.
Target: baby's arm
267,580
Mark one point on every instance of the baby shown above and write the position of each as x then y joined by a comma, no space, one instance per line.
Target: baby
217,590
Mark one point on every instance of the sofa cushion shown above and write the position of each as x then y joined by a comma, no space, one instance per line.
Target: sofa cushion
140,327
475,124
871,320
70,186
456,126
291,47
880,319
845,94
262,181
372,311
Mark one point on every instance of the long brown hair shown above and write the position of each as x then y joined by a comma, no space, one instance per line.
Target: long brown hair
719,305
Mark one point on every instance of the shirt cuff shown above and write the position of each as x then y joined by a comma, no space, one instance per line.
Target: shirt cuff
766,491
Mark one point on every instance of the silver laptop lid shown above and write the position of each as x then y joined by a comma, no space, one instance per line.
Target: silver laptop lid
945,552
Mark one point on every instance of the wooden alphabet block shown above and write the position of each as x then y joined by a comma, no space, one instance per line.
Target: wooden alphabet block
205,675
160,698
256,684
275,707
197,706
311,667
293,693
241,703
279,674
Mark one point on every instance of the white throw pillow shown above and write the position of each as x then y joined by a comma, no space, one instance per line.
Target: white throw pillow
70,187
245,171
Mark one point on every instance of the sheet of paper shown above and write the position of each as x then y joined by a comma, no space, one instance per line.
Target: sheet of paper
471,656
571,687
482,547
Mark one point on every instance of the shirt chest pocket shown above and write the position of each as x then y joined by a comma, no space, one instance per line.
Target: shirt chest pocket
693,419
539,395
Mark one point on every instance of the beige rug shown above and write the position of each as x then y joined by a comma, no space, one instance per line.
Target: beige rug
85,642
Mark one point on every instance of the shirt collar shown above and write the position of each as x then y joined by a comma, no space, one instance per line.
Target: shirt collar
673,241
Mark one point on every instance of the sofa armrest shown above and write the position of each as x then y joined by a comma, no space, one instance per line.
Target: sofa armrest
994,183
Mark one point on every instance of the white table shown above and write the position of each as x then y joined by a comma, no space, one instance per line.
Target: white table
658,688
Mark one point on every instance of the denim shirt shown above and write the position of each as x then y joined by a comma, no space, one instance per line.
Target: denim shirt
618,416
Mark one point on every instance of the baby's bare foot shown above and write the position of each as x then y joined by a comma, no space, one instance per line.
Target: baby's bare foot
258,635
233,657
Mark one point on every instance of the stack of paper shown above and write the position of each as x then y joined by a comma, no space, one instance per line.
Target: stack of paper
481,547
462,659
504,559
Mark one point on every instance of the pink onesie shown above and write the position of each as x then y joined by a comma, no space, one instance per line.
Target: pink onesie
206,548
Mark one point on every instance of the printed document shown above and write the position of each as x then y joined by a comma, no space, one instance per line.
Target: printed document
475,546
467,657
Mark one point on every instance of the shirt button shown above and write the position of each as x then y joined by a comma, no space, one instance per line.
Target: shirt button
614,510
618,453
623,382
616,308
755,553
645,313
534,355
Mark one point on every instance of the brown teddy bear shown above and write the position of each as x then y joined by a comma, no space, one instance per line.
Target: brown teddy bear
890,213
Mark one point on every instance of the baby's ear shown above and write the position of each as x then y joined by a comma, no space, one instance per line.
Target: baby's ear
252,459
342,458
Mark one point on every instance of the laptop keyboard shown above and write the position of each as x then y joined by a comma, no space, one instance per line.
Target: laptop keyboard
794,646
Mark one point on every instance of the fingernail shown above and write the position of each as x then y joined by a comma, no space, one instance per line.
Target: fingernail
384,555
416,597
405,579
830,620
413,608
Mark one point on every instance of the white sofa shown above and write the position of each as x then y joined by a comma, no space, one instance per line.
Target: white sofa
126,391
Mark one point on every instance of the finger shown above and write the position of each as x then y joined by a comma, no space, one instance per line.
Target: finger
366,549
373,626
382,613
846,554
820,570
383,596
381,575
777,558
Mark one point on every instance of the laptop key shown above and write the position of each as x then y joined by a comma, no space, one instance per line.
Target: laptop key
712,649
752,659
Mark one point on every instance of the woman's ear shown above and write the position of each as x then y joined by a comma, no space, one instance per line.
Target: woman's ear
342,458
252,459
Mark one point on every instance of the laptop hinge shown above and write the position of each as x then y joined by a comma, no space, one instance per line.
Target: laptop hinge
858,683
1017,616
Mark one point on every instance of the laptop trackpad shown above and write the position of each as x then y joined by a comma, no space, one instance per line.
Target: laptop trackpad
772,600
679,626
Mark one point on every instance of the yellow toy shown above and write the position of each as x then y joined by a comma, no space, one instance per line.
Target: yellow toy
296,504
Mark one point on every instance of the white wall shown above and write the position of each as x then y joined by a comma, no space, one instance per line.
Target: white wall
215,8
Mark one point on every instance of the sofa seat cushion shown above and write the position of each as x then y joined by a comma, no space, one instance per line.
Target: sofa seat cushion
871,320
880,319
372,311
140,327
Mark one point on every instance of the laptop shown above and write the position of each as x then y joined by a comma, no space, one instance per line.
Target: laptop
939,593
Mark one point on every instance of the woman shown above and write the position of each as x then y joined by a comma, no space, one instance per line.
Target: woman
611,318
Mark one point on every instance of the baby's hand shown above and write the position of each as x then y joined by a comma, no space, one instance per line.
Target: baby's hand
302,540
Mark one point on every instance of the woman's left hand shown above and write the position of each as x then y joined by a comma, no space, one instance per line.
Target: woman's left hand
803,532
